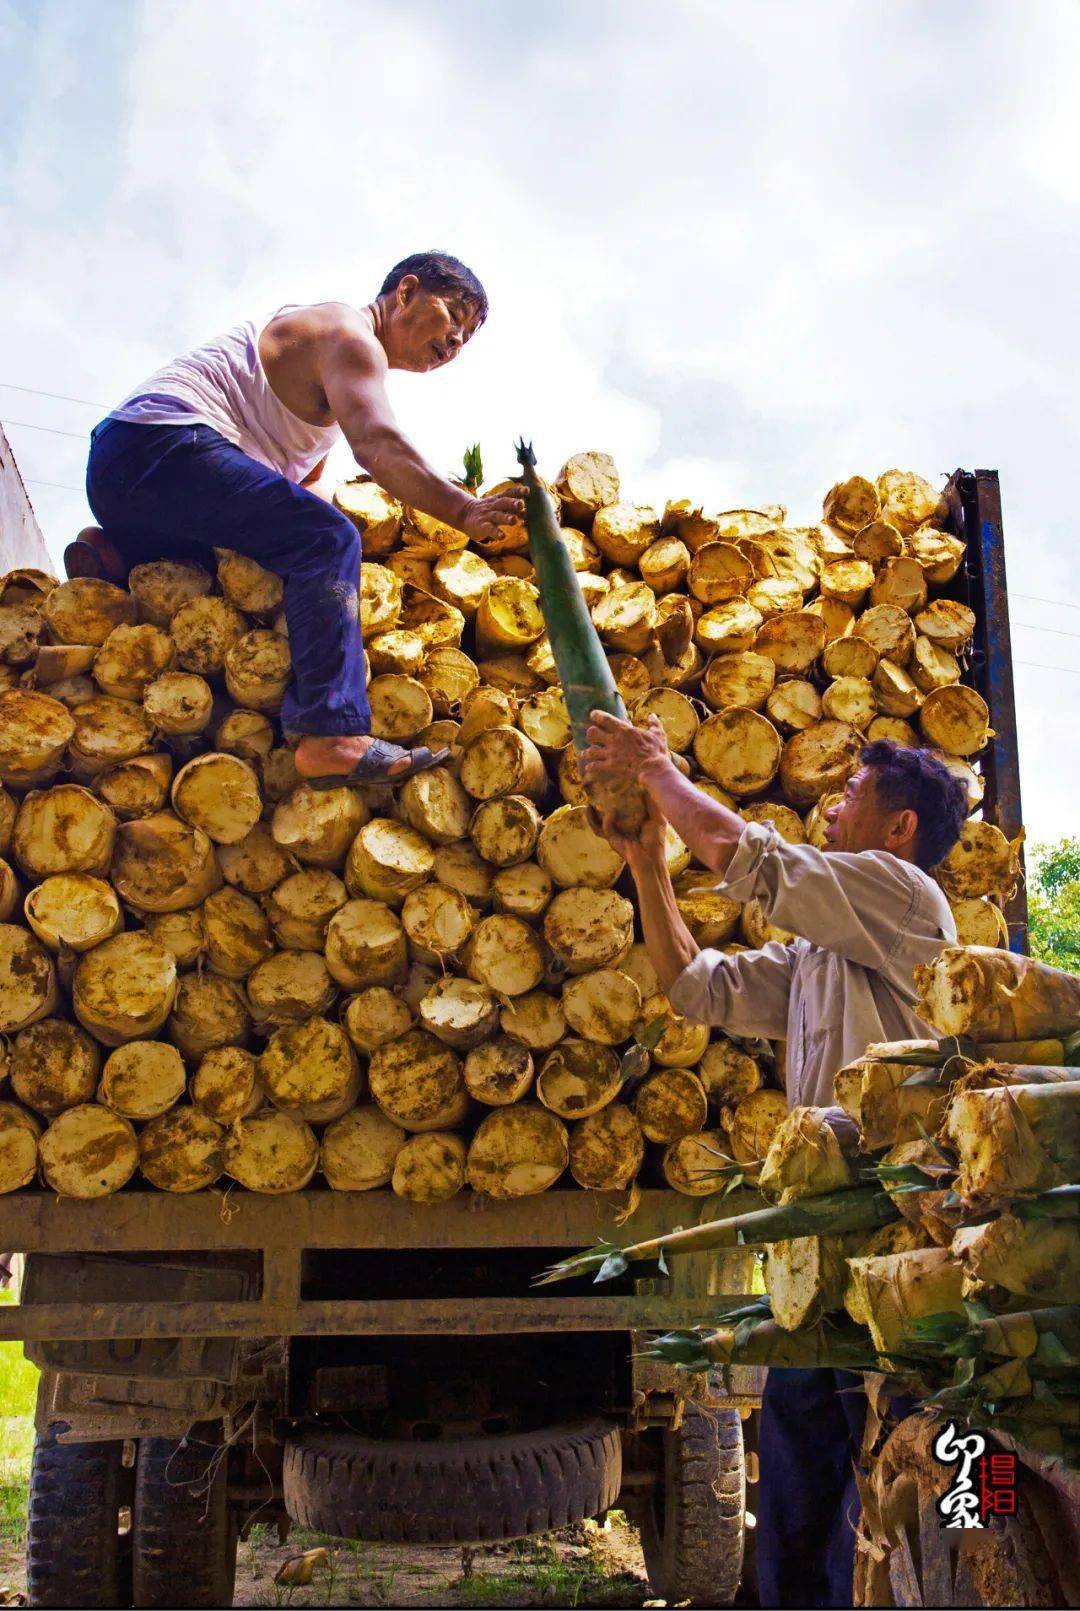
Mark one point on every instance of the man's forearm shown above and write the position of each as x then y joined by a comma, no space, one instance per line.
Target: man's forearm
397,466
710,830
670,944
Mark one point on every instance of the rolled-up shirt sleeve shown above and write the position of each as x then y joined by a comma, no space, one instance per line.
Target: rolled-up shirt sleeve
861,904
746,994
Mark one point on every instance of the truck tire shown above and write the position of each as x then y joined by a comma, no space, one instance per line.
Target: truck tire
75,1553
185,1530
692,1524
468,1491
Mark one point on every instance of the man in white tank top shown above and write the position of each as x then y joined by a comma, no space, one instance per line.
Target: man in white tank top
222,448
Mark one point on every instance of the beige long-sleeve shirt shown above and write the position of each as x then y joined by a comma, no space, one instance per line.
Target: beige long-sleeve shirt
865,919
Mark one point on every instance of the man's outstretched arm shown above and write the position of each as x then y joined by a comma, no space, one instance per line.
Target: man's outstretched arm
352,372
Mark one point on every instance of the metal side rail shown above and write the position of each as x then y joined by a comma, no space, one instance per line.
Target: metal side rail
281,1230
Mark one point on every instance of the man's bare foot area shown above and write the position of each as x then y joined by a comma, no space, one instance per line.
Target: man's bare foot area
336,757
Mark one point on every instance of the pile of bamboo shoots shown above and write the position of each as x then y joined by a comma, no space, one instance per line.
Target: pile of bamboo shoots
945,1248
209,971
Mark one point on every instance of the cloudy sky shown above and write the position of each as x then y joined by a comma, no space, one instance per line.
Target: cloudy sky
749,248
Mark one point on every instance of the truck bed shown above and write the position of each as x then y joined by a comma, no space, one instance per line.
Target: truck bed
282,1230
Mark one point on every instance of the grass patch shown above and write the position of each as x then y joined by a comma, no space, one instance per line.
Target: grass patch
18,1391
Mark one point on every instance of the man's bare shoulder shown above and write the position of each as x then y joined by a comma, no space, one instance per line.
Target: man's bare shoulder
318,324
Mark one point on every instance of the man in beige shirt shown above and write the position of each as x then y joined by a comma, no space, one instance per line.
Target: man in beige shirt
864,912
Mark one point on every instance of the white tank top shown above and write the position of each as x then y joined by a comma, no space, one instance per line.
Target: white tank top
223,384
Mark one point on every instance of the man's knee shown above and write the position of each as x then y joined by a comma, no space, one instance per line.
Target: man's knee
328,539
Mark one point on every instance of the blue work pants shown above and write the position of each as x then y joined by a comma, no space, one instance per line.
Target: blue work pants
179,491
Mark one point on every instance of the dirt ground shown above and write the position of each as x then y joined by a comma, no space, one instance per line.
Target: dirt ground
589,1565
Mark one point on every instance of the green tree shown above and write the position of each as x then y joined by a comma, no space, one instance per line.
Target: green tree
1054,903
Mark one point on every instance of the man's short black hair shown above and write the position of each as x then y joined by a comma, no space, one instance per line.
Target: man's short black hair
438,271
908,779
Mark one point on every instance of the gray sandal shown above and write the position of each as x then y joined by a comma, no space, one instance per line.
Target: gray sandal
375,763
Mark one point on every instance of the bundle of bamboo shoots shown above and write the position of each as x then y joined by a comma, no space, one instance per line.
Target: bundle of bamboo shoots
208,970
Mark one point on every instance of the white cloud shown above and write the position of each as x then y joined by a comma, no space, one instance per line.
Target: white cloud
746,248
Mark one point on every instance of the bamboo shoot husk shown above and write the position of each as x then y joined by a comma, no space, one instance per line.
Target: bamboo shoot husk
247,585
459,1012
220,794
375,514
142,1079
359,1150
271,1152
995,995
224,1085
436,806
819,761
400,708
517,1151
290,986
1015,1140
35,730
374,1016
498,1072
752,1125
606,1149
300,908
739,749
415,1080
670,1104
162,864
804,1158
506,955
209,1013
1030,1258
459,867
28,989
130,659
19,1132
73,912
536,1019
430,1168
738,680
136,788
523,891
587,483
898,1237
891,1112
310,1069
88,1152
86,611
437,922
897,1289
107,731
257,864
181,1151
505,830
162,586
54,1065
693,1165
501,760
316,827
574,854
602,1006
237,933
577,1078
805,1278
682,1042
257,669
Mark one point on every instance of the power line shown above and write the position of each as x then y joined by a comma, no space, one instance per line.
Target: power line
1033,598
1059,632
57,397
78,436
1037,665
61,486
